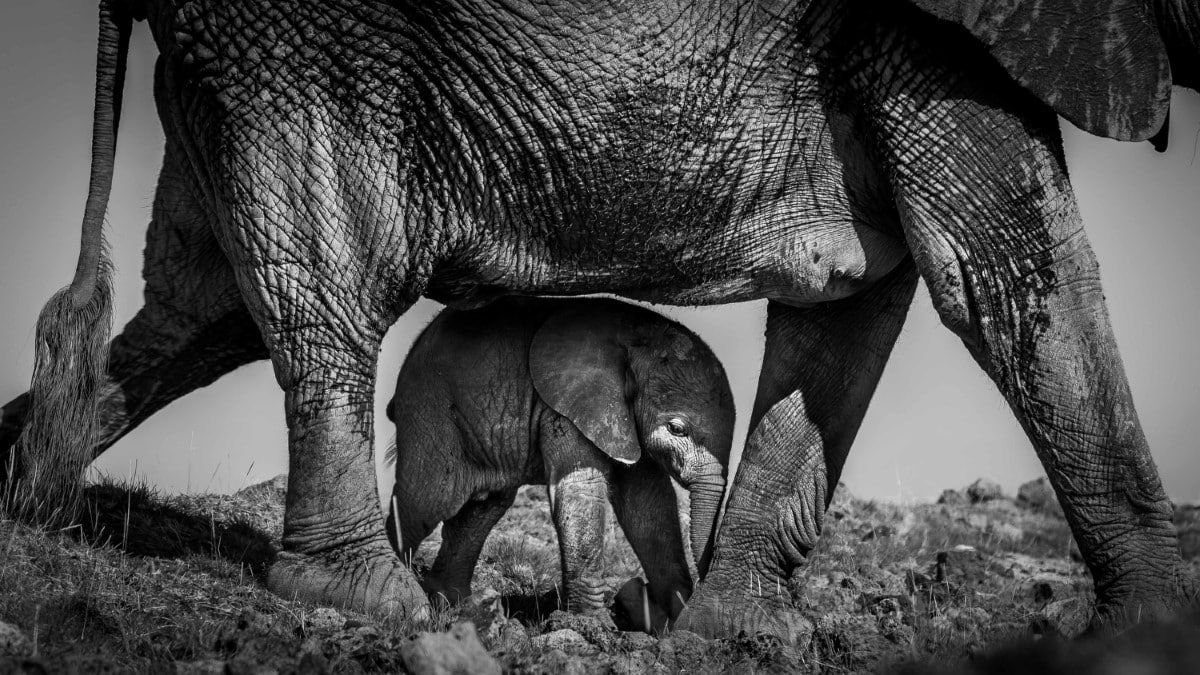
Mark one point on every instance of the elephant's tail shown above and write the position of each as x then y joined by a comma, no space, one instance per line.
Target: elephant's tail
71,349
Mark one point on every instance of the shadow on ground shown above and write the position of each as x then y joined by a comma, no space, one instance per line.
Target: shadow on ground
140,523
531,610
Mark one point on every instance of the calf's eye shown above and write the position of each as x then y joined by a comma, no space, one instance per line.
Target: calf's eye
677,427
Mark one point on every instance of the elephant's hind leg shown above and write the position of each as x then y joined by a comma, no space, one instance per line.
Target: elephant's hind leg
820,369
996,234
463,537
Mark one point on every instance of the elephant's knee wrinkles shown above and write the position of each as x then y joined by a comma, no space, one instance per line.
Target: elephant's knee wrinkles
956,303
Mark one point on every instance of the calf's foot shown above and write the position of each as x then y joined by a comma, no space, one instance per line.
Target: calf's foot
443,592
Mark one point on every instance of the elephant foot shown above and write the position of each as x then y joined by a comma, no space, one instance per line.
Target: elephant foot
372,584
585,595
1117,614
440,592
715,617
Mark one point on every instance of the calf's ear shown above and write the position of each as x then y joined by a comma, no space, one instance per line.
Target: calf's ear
1101,64
579,369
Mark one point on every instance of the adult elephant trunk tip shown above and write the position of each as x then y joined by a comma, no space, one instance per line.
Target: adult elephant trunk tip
71,352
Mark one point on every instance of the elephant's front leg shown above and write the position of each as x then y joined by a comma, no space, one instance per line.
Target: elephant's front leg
578,479
645,505
820,368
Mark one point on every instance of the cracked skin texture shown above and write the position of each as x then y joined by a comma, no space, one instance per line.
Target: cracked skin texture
328,163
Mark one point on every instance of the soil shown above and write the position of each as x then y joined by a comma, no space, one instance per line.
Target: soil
979,582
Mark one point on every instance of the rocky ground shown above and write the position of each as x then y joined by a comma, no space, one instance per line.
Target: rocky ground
156,584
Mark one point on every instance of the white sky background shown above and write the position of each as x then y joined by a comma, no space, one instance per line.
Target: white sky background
936,420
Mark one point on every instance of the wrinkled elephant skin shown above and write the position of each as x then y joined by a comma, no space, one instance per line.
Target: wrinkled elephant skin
328,163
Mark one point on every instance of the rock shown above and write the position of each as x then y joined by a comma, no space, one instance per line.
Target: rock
323,620
636,640
1068,617
13,641
455,652
565,640
1038,496
484,596
952,498
984,490
683,650
893,614
597,630
508,637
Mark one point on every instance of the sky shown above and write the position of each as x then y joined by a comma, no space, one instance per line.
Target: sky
936,421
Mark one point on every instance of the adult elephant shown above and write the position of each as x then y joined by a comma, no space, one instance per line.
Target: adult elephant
328,163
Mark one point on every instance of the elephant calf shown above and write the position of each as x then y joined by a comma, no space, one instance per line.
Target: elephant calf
595,398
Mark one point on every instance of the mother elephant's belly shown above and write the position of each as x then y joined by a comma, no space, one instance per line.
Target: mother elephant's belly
788,259
801,264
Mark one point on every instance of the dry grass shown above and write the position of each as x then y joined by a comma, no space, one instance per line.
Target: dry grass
150,583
